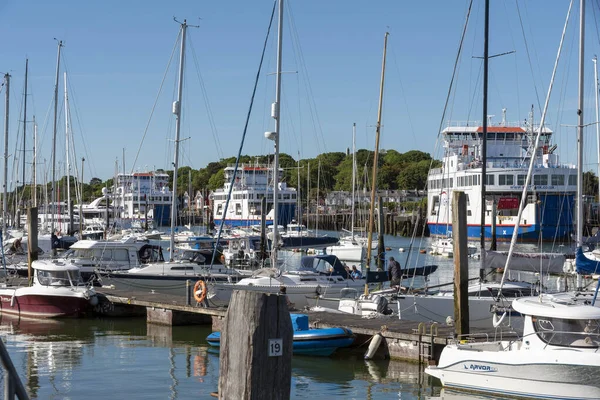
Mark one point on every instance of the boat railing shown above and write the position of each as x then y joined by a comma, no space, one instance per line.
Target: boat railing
12,383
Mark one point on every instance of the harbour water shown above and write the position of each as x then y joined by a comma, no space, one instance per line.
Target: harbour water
127,358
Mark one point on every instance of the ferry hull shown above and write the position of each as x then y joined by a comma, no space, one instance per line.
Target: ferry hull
504,233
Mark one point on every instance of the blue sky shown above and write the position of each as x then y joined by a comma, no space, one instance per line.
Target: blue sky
116,54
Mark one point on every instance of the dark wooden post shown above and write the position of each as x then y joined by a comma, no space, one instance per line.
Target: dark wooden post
256,348
461,263
32,239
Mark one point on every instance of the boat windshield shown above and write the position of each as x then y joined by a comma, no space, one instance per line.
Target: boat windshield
568,332
193,256
58,278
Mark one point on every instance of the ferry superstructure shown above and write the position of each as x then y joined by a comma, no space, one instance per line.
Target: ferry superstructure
551,194
253,182
143,197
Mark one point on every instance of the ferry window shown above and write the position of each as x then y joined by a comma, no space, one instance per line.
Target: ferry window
135,198
540,179
521,180
435,204
468,213
238,209
572,180
220,209
468,201
293,196
490,180
505,180
558,180
451,182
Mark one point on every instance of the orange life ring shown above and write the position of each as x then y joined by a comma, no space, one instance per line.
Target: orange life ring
200,291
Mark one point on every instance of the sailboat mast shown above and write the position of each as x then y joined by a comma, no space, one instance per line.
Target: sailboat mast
375,162
177,112
6,119
68,170
353,177
276,114
580,125
298,198
34,165
53,195
25,121
484,129
597,116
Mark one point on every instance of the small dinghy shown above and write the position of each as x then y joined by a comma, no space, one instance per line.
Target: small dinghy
308,342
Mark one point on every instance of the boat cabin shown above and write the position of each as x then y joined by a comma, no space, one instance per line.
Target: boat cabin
558,321
57,274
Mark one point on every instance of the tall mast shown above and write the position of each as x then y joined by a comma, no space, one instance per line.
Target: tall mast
25,122
6,119
68,171
177,112
580,126
34,165
597,116
298,200
275,113
485,128
53,205
353,176
375,162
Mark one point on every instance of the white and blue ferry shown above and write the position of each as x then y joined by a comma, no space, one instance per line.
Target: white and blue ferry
551,194
253,182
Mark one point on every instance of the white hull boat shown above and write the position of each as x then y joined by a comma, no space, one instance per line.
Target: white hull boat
558,356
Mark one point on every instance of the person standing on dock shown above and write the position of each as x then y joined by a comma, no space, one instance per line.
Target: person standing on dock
394,272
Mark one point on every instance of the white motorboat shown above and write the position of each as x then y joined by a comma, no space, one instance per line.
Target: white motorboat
57,291
349,249
445,247
317,274
100,256
558,356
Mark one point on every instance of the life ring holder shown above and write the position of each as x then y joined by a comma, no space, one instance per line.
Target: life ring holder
200,291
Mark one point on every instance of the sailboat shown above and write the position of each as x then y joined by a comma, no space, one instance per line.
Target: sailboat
171,276
317,273
351,247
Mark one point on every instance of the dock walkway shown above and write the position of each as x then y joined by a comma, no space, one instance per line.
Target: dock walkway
408,340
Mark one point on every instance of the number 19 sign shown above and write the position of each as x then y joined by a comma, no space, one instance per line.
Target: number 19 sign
275,347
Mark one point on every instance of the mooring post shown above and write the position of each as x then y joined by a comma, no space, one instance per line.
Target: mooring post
32,240
256,348
461,263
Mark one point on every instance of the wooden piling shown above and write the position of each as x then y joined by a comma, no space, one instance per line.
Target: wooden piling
461,263
32,240
256,348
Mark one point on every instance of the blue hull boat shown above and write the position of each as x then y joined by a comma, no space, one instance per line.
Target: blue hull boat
308,342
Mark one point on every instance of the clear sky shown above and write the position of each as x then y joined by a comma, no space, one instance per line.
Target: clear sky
116,55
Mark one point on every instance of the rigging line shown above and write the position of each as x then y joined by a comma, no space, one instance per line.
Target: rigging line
412,129
211,119
311,104
537,95
155,103
81,133
237,161
454,71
